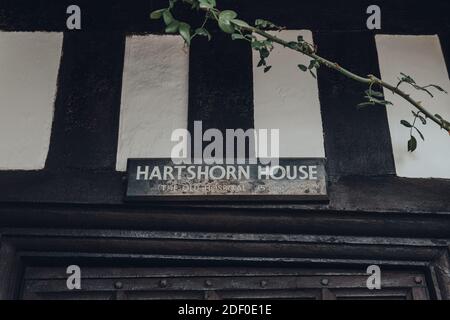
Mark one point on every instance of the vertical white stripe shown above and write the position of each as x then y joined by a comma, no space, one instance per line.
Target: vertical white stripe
420,57
287,99
154,96
29,63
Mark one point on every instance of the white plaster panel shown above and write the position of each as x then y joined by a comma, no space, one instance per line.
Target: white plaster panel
29,63
420,57
288,99
154,96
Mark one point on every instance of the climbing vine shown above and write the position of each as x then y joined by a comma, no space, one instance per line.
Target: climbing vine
263,42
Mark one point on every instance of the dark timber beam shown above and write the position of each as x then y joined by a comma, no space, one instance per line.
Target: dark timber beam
352,194
10,269
221,84
87,107
444,38
357,141
399,16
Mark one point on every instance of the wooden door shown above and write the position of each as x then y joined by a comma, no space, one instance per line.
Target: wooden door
220,283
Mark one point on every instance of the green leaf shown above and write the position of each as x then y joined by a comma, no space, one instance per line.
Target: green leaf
423,89
420,134
226,26
406,123
264,53
438,88
378,101
237,36
418,115
365,104
423,120
203,32
173,27
412,144
260,23
157,14
407,78
185,32
239,23
300,39
313,74
268,44
257,45
303,67
168,17
266,69
207,4
228,15
224,21
374,93
261,63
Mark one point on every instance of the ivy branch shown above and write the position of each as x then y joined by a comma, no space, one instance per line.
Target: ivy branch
263,42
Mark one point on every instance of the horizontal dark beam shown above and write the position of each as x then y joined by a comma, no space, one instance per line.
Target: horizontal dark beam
411,217
223,247
129,235
398,16
227,247
75,186
353,194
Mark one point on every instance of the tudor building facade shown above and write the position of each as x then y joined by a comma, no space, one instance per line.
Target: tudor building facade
76,104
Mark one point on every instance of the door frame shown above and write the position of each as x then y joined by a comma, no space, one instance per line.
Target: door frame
22,247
